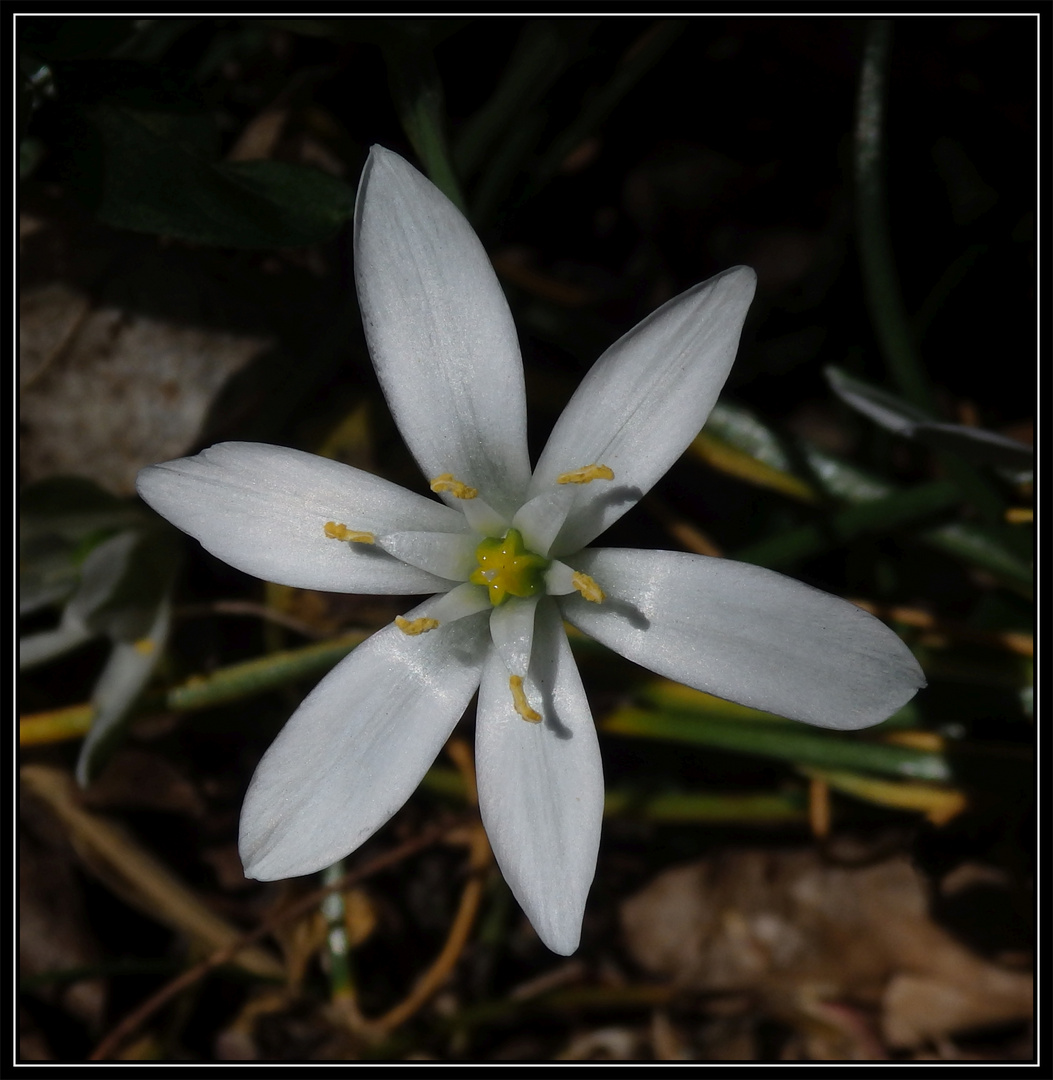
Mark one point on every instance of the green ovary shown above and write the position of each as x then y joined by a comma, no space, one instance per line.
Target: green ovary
507,569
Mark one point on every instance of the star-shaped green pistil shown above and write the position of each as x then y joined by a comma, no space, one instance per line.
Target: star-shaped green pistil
506,568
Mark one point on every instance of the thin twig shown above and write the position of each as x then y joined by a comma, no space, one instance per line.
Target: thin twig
479,861
139,1016
436,975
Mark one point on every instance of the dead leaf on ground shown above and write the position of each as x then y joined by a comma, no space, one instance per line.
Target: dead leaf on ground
848,955
105,392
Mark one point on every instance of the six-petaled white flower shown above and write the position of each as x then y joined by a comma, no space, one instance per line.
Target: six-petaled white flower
505,557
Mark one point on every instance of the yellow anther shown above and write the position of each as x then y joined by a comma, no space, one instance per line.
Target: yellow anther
414,627
447,482
586,475
144,646
1019,515
588,588
341,532
515,684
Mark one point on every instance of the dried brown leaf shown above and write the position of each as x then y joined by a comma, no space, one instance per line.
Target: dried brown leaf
137,875
805,936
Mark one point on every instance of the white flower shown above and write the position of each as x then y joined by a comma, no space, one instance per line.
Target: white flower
505,556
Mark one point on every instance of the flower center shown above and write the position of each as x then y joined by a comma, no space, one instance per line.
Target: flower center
506,568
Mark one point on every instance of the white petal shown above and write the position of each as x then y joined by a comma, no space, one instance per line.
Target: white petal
559,579
447,555
482,517
542,517
357,748
541,785
512,630
643,402
440,333
748,635
263,509
458,603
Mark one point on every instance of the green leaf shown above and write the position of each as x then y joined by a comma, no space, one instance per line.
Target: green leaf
148,181
900,509
60,521
316,203
674,807
880,280
665,807
416,90
72,508
261,675
65,38
893,413
884,408
984,547
123,581
833,476
645,53
500,138
874,503
785,742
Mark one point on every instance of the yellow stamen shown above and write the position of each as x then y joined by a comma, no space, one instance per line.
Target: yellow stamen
353,536
414,627
588,588
586,475
447,482
1019,515
144,646
515,684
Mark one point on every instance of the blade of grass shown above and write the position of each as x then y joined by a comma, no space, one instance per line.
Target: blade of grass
988,547
895,511
257,676
416,90
937,802
793,744
545,49
668,807
643,55
888,312
201,692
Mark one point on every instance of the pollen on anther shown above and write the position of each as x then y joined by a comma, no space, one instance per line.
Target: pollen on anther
588,588
519,698
586,475
336,531
448,482
414,627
